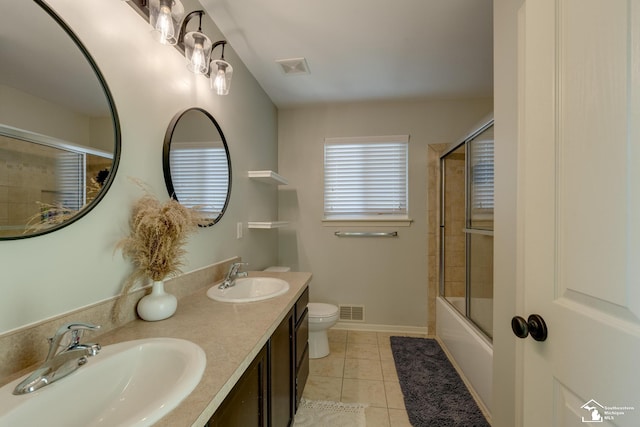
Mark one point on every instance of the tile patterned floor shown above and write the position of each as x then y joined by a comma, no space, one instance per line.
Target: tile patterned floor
360,369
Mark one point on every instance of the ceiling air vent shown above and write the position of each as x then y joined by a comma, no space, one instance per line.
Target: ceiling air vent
353,313
294,66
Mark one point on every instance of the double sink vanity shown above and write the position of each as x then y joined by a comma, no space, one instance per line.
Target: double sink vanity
214,363
236,356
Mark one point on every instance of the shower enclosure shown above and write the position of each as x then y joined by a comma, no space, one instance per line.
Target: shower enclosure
466,227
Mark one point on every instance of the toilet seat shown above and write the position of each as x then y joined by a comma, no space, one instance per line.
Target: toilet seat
318,310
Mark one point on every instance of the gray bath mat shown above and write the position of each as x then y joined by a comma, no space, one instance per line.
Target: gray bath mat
434,394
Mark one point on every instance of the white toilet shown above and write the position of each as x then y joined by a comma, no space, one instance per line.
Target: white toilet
321,318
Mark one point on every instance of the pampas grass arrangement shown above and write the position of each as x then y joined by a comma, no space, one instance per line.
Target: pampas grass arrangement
155,245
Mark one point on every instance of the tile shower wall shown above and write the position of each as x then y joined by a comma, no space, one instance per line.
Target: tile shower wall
28,175
17,161
454,250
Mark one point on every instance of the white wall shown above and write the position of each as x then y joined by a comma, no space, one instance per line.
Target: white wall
76,266
386,275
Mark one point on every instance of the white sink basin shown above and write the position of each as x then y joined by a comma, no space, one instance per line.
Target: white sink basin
248,289
132,383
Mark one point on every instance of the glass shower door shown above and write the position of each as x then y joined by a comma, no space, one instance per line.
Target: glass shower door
466,228
479,230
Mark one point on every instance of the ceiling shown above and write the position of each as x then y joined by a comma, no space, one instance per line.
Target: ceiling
362,49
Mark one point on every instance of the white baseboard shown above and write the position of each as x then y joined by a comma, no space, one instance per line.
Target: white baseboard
397,329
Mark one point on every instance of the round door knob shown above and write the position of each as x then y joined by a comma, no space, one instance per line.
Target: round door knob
534,326
519,327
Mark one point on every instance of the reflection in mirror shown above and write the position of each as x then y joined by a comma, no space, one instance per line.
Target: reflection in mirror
59,131
197,166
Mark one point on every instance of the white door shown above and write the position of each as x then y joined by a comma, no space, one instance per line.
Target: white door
579,210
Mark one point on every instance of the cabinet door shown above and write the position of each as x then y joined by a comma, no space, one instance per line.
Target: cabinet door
302,355
282,364
246,404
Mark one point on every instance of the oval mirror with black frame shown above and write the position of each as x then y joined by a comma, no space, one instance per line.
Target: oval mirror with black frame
197,165
59,129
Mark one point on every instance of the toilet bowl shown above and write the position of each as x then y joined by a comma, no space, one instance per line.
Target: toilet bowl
321,318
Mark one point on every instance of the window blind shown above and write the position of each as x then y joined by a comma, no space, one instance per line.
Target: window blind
200,176
365,177
482,178
70,170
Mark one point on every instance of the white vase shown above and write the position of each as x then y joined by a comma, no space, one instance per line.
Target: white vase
158,305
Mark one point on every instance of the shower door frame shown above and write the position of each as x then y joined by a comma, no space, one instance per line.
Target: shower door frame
468,231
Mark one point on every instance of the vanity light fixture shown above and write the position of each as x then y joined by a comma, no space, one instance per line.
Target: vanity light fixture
198,50
165,17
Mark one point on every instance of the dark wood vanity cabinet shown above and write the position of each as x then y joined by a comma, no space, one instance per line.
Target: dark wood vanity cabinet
268,393
301,342
281,373
246,404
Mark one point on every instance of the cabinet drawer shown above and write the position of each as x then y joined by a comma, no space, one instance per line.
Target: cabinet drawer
301,305
302,337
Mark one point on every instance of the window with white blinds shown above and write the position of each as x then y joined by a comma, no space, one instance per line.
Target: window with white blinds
200,174
481,158
366,177
70,171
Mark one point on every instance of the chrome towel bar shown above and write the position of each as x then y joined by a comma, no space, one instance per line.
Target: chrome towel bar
366,234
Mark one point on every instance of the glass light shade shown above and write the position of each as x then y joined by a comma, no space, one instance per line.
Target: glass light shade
221,72
197,50
165,17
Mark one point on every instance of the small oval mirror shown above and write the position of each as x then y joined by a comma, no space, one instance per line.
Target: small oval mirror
196,163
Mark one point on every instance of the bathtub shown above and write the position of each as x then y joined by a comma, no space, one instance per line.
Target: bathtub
470,349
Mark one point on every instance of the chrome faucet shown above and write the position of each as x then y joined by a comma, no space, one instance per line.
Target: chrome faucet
233,274
60,363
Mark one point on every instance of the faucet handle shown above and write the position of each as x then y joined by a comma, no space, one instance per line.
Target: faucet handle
238,264
75,328
235,267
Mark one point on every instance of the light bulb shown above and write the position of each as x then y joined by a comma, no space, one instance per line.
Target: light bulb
220,82
164,25
198,59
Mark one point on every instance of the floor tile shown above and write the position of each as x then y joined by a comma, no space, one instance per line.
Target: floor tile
385,353
337,335
364,369
337,348
364,391
360,369
362,351
389,372
377,417
393,392
399,418
330,366
362,337
323,388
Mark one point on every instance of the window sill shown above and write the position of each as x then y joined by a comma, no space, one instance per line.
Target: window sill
367,222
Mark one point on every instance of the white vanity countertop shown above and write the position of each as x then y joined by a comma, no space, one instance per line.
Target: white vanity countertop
230,334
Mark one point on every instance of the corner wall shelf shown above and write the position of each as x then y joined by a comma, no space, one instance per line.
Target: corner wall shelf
267,224
269,177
